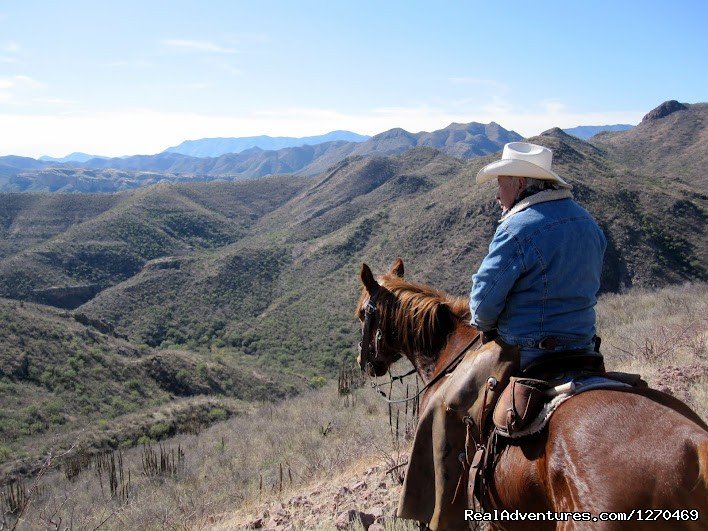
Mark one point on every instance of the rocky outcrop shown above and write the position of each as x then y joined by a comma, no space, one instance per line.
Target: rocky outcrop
663,110
68,297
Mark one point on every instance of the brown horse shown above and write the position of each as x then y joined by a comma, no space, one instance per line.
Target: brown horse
602,451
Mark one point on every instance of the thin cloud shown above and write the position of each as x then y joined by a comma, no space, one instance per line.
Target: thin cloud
18,81
9,51
13,87
197,46
222,64
28,82
10,47
552,106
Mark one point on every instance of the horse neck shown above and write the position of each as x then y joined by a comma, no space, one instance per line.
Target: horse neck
427,321
429,365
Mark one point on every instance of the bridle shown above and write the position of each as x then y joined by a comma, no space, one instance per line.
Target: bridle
371,320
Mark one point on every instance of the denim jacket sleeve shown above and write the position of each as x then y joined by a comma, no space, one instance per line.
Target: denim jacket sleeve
496,276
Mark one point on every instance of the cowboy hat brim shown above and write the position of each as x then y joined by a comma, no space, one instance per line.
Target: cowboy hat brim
519,168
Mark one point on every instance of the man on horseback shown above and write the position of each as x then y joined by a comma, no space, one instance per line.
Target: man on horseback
537,286
537,289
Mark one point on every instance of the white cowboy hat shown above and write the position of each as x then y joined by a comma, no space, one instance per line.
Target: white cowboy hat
521,159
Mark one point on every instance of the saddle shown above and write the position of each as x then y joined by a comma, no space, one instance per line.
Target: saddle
552,378
527,403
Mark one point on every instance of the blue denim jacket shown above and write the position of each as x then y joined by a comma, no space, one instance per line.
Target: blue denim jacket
542,274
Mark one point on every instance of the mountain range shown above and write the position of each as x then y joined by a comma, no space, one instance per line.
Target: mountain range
93,251
262,274
115,174
588,131
214,147
243,158
72,157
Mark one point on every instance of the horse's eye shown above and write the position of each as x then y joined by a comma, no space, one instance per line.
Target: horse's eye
361,314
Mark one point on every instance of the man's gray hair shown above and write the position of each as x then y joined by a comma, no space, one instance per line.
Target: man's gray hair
540,184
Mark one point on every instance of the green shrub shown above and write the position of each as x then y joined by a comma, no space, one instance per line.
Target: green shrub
318,381
4,453
159,430
217,414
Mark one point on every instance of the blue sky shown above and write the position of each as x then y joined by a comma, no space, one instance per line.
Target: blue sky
117,78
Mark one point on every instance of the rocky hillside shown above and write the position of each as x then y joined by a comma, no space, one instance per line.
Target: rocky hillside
74,380
63,249
669,144
268,268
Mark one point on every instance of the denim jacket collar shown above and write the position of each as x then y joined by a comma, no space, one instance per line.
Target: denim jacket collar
540,197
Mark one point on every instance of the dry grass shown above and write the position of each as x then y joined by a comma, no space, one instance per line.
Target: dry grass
263,456
662,335
318,447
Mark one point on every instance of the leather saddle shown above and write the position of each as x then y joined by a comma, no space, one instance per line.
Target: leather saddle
524,397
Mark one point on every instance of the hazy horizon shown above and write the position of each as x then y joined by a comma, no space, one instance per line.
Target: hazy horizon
132,78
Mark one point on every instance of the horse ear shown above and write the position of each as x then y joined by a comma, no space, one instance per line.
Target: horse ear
397,267
367,278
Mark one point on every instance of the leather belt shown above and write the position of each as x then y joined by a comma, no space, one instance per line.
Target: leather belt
548,343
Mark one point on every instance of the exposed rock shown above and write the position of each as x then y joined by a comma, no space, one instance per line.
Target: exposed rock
343,491
68,297
359,485
376,512
166,262
663,110
299,501
345,519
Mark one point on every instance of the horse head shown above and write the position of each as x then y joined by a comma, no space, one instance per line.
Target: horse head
379,347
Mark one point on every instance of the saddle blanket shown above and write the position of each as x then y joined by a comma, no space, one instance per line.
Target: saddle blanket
581,384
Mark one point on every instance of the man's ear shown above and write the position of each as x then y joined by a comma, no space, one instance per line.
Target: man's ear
522,183
367,278
397,267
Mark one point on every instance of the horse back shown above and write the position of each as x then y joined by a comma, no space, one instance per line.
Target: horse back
610,450
641,449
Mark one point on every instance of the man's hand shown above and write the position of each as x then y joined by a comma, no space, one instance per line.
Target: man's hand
489,335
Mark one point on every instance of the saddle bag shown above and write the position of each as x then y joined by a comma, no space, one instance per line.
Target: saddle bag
519,404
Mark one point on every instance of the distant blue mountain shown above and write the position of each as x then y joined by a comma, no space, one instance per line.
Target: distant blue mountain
462,141
215,147
588,131
73,157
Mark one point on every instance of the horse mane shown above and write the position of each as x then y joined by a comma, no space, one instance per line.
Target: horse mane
422,316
